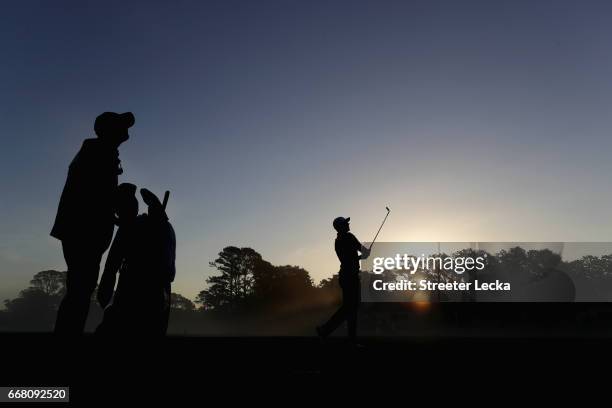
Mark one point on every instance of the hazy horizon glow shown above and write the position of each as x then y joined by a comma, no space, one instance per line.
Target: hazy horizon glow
473,122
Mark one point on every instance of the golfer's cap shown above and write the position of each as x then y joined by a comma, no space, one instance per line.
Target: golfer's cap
339,221
113,121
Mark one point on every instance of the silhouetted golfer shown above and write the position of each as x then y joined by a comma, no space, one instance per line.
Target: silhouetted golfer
85,216
348,249
143,252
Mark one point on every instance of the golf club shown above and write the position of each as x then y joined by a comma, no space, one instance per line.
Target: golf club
166,196
381,225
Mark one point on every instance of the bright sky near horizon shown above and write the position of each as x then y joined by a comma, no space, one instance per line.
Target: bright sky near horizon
473,120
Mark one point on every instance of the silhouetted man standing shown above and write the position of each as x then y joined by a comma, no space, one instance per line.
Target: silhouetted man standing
348,249
85,216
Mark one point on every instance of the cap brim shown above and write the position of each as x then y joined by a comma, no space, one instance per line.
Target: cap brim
127,119
348,219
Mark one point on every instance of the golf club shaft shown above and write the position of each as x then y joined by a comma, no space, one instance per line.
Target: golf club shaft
377,232
166,196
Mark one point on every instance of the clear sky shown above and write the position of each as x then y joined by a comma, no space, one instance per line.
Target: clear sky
473,120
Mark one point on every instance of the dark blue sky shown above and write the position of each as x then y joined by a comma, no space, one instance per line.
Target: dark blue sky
474,120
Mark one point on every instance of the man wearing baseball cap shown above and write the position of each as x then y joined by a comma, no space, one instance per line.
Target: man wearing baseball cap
85,217
349,251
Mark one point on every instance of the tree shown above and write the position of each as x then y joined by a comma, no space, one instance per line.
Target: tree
515,258
247,280
542,261
52,283
236,280
179,302
277,284
329,283
36,306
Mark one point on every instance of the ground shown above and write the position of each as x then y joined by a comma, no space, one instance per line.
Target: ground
98,369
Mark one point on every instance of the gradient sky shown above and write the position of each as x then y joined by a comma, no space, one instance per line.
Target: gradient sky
473,120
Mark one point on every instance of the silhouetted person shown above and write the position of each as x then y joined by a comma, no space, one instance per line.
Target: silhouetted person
348,249
85,216
143,253
116,261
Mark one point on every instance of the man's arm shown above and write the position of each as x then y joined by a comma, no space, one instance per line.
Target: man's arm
365,252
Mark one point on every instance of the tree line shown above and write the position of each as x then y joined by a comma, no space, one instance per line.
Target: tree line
249,295
245,285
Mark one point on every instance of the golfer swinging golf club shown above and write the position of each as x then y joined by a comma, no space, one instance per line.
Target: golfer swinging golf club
349,251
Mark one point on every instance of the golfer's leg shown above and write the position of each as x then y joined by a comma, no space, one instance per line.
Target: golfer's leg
87,286
74,308
83,268
354,298
63,321
334,322
341,314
